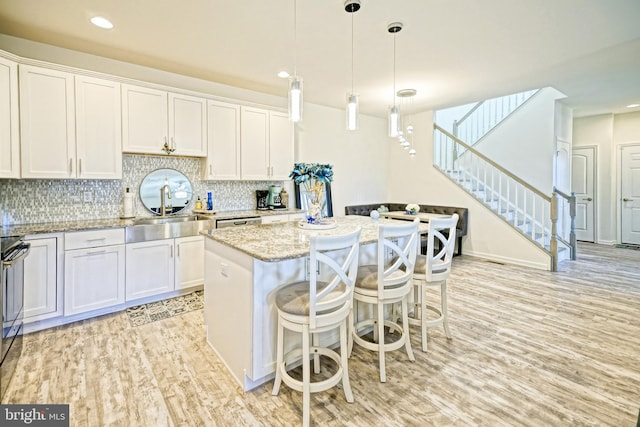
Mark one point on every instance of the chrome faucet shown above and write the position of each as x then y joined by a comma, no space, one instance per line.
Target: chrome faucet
165,189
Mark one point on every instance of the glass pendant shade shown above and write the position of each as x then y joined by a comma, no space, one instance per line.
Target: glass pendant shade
352,112
295,99
394,121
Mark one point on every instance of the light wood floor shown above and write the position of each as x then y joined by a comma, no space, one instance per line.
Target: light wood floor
530,348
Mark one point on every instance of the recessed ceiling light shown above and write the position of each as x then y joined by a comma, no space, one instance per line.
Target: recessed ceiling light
102,22
283,75
633,105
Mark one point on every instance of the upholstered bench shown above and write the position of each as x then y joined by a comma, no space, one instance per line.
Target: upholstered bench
463,215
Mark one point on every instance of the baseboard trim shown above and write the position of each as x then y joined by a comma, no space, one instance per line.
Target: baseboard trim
507,260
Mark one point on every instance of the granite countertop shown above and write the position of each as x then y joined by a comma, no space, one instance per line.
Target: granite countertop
77,225
281,241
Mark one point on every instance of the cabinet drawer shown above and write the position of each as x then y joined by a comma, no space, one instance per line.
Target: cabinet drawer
93,238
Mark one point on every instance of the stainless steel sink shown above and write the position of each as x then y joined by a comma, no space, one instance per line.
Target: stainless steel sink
164,219
156,228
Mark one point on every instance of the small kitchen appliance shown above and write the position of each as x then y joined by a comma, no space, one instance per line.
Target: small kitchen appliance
261,200
274,200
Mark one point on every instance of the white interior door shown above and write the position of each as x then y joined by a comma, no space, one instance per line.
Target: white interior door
582,183
630,192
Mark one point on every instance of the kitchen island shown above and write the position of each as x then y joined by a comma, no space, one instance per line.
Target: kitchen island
243,268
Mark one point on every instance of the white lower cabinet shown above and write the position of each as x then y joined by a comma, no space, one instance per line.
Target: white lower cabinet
42,295
94,270
189,261
166,265
150,268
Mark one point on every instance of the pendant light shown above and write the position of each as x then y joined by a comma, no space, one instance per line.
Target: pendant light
412,151
352,6
394,111
295,82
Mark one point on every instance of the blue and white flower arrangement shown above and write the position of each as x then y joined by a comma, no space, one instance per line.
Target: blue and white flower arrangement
312,177
412,208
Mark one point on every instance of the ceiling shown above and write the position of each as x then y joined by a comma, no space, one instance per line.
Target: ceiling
451,52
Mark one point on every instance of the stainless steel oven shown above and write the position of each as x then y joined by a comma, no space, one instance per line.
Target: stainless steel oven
13,250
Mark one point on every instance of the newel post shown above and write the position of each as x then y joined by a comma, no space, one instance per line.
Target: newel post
553,244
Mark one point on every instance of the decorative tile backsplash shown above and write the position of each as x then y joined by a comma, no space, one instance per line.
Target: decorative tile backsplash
28,201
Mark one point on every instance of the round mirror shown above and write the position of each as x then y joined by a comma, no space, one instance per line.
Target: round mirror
166,187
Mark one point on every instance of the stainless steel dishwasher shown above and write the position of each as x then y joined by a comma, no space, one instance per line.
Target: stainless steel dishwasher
238,222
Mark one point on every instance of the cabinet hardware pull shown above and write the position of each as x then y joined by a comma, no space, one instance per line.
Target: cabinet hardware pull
96,252
173,143
210,169
171,252
178,249
70,166
79,167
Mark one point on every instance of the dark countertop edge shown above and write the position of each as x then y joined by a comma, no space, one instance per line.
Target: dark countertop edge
96,224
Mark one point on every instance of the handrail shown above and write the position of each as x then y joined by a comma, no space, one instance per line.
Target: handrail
488,114
494,164
466,116
540,217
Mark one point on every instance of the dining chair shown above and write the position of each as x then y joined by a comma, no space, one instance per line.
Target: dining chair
382,285
320,304
432,270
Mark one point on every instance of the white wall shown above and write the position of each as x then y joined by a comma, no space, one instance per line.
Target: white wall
525,144
416,180
359,158
607,132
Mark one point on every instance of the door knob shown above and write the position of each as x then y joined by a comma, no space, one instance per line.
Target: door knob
626,200
588,199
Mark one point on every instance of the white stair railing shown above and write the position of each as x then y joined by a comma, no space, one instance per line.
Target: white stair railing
527,209
486,115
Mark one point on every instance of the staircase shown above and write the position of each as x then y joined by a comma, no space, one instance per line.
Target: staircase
486,115
532,213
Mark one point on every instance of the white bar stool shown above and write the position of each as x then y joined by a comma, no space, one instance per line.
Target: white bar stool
432,270
388,282
321,304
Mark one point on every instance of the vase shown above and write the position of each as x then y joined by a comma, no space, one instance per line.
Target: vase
315,198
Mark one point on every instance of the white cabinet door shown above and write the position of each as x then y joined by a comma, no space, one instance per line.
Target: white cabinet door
9,135
266,144
189,261
254,144
223,142
280,145
149,268
94,278
41,296
47,125
188,125
144,119
98,129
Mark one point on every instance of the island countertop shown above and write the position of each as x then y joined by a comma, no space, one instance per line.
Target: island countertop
277,242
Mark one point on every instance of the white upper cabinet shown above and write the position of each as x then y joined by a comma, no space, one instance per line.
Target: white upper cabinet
223,142
280,145
98,129
47,123
144,120
67,136
266,144
188,125
152,118
9,135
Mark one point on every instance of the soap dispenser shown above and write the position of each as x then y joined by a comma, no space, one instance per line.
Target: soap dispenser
198,203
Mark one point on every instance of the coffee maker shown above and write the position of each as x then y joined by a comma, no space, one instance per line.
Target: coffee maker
261,200
274,200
